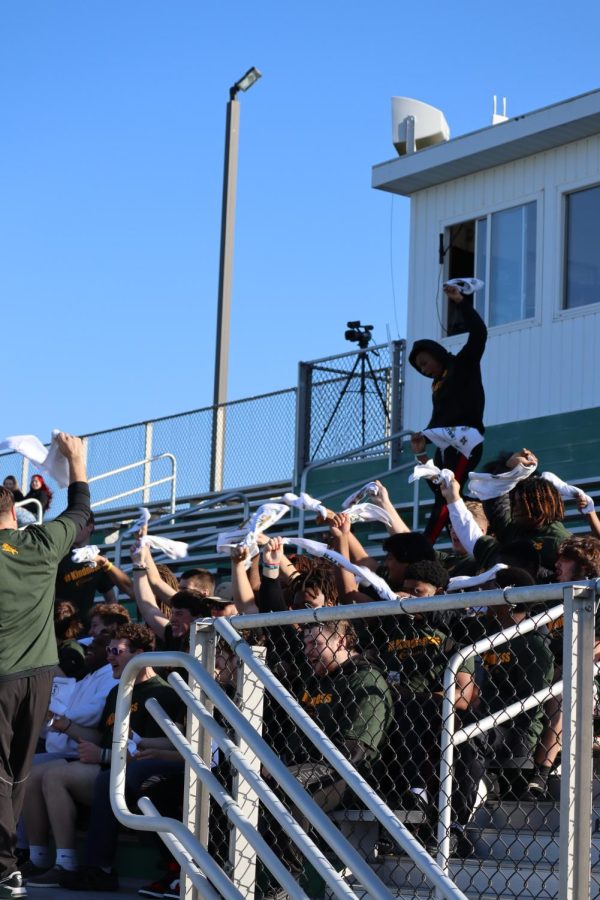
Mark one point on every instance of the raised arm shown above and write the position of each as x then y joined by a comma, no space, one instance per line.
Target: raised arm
144,594
119,578
243,593
382,499
346,581
160,589
467,530
473,349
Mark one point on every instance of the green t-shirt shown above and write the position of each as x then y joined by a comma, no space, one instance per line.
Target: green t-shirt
352,703
28,562
411,651
515,670
141,721
545,541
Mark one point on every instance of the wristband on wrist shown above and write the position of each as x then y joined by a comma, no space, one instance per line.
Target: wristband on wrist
269,566
139,568
107,566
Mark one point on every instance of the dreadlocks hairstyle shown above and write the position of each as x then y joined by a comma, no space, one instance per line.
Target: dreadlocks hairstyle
538,501
584,551
319,577
303,564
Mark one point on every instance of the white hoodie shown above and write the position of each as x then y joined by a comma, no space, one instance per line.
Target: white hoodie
84,707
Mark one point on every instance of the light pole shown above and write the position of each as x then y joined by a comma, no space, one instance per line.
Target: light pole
226,276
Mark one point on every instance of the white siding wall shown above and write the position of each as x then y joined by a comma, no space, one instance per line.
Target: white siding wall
532,369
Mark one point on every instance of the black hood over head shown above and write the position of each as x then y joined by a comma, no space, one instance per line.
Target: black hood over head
433,348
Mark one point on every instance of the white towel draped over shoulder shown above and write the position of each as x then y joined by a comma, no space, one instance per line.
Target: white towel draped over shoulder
487,487
368,490
430,471
361,573
462,437
49,459
304,501
569,491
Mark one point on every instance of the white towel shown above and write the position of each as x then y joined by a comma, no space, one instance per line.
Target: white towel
245,536
49,459
487,487
430,471
463,582
303,501
461,437
368,512
466,285
172,549
569,491
361,573
81,555
368,490
141,521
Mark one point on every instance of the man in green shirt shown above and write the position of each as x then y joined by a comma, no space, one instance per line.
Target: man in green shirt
28,655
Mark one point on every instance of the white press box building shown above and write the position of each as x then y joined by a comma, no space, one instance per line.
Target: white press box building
516,204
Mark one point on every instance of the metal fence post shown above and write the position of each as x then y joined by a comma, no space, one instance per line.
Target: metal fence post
25,475
196,802
148,464
396,399
250,694
303,407
576,767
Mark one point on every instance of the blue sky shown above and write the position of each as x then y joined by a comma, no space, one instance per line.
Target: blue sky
111,153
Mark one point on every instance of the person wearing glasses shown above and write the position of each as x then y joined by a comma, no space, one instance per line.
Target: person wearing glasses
65,784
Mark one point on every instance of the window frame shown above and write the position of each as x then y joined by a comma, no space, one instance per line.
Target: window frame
561,312
487,212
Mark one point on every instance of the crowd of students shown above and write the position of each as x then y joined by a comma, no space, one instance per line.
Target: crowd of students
373,684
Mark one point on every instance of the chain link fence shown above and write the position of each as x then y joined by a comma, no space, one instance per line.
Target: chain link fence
251,424
349,400
405,738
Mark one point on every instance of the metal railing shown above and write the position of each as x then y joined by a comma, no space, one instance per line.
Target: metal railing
146,485
177,516
354,453
204,693
39,512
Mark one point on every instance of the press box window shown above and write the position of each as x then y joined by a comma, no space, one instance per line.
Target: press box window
499,248
582,259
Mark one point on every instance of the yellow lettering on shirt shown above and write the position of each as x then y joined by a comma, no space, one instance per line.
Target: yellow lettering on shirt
317,700
412,643
78,573
496,659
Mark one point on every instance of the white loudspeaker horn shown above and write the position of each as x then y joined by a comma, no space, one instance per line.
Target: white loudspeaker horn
416,125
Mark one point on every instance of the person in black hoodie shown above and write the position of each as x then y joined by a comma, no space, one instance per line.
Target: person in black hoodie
458,398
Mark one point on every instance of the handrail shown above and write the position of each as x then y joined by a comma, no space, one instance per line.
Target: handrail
267,756
356,451
171,517
450,738
40,512
147,484
343,767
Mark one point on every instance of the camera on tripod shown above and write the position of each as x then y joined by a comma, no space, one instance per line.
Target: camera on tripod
359,334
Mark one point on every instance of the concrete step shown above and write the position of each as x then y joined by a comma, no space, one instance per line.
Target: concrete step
478,878
523,845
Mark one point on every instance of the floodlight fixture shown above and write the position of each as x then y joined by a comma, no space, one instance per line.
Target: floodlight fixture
245,82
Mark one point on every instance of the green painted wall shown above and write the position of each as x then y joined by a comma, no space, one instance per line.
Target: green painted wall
566,444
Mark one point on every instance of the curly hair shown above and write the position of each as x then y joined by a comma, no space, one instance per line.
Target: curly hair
139,636
320,577
67,624
538,502
429,571
168,576
584,551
